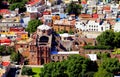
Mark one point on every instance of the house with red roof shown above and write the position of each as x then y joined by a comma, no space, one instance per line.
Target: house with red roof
34,5
5,41
4,11
95,15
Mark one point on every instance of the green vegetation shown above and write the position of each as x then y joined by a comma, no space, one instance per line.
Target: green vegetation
36,70
75,66
106,38
97,47
1,16
74,8
17,4
15,1
107,66
116,51
27,71
32,25
103,73
101,56
5,50
109,38
15,57
71,32
111,65
31,71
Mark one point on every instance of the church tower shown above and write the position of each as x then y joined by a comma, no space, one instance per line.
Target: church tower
43,43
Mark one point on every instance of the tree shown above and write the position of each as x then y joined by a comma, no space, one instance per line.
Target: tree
2,49
9,50
75,66
54,70
32,25
15,1
89,74
103,73
106,38
1,17
6,50
15,57
73,8
19,5
117,39
27,71
111,65
103,55
71,32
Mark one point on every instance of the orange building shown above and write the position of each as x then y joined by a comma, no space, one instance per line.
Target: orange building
64,25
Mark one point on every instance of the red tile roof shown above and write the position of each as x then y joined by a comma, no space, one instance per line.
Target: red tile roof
106,8
33,2
83,2
5,40
46,13
95,15
85,15
5,63
4,11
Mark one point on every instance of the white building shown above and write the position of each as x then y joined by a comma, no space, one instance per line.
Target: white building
117,27
81,26
92,26
35,6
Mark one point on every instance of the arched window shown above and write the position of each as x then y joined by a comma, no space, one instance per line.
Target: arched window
44,39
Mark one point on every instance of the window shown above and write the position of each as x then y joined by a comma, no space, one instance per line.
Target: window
44,39
53,57
21,45
62,57
58,57
43,31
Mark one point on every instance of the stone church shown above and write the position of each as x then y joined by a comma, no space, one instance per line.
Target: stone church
45,46
41,45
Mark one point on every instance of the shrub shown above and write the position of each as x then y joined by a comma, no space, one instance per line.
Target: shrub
97,47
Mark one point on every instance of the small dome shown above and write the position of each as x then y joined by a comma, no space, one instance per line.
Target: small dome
44,27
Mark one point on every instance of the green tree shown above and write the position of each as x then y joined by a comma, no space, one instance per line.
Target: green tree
117,39
27,71
6,50
111,65
106,38
2,49
9,50
75,66
15,1
103,73
1,17
103,55
32,25
53,70
15,57
74,8
71,32
16,5
89,74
